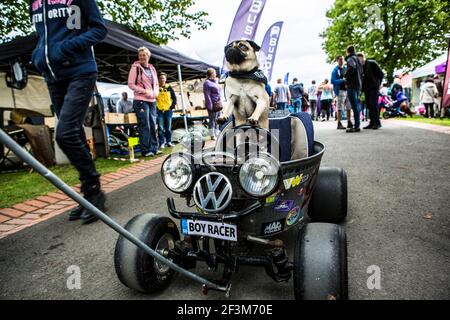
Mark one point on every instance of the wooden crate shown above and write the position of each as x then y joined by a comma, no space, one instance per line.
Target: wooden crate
131,118
114,118
199,113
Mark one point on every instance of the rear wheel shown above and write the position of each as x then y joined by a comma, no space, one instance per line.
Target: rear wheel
320,263
386,115
135,268
329,200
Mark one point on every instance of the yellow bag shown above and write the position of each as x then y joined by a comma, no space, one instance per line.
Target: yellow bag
164,100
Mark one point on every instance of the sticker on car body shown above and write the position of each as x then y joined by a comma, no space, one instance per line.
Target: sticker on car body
295,181
273,227
284,206
294,216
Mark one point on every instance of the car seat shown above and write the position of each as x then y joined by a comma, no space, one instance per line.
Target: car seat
295,135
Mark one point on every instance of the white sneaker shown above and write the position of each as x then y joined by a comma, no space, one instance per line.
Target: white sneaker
170,145
150,154
159,152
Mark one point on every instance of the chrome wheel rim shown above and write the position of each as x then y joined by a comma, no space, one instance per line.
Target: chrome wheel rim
167,242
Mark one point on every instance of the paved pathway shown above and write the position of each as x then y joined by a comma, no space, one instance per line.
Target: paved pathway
32,212
398,220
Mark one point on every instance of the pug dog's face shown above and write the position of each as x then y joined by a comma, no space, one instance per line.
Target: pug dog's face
241,55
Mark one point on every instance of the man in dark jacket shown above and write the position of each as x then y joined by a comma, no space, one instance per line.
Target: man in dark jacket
373,77
67,32
353,82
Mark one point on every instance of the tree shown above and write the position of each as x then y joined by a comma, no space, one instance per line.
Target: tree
398,34
155,20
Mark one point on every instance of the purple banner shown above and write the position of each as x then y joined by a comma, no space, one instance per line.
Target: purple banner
446,93
246,22
269,48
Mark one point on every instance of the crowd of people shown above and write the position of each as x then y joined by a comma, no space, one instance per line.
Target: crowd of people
356,89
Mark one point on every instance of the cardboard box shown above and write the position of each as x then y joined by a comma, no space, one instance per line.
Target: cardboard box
199,113
131,118
114,118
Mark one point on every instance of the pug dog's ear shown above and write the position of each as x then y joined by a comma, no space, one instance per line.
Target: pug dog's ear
254,45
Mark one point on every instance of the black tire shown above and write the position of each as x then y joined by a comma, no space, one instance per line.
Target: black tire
329,200
136,269
320,263
386,115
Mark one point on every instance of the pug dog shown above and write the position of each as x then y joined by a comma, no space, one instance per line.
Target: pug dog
245,89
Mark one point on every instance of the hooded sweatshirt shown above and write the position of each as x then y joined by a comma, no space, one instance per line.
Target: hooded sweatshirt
67,31
296,90
354,73
145,88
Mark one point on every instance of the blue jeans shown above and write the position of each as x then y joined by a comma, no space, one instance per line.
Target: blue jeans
352,95
297,104
165,126
70,99
146,115
282,105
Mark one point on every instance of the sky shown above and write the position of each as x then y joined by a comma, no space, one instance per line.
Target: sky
300,48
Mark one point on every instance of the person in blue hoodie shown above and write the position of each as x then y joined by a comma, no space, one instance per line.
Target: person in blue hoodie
67,31
340,92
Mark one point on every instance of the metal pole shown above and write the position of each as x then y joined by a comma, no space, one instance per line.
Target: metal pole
180,79
57,182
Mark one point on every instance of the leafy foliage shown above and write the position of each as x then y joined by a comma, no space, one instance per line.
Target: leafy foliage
14,20
155,20
399,34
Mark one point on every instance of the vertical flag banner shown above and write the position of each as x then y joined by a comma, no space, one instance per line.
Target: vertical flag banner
269,48
286,78
246,22
446,93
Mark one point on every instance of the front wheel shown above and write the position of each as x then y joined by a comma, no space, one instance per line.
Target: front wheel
320,263
136,269
386,115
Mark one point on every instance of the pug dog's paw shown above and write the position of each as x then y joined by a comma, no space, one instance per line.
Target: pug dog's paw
253,122
222,120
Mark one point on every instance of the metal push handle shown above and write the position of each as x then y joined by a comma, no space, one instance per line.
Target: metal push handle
57,182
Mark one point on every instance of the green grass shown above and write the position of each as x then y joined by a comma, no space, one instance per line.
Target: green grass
21,186
439,122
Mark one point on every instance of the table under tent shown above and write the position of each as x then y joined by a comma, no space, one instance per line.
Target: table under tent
114,56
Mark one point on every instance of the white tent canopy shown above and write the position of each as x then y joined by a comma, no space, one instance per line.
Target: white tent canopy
429,68
34,97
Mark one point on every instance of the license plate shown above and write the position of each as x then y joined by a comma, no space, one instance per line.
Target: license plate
215,230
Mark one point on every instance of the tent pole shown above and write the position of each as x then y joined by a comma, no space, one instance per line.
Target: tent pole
180,78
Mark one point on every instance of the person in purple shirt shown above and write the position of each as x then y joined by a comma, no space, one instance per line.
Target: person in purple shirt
213,93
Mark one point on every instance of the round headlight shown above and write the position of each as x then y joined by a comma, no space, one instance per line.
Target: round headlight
259,175
178,173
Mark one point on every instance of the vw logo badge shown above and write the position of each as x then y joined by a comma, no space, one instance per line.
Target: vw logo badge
213,192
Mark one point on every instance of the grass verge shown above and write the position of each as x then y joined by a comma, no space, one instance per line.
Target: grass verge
420,119
17,187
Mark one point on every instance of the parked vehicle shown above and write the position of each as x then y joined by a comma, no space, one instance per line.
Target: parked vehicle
252,187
